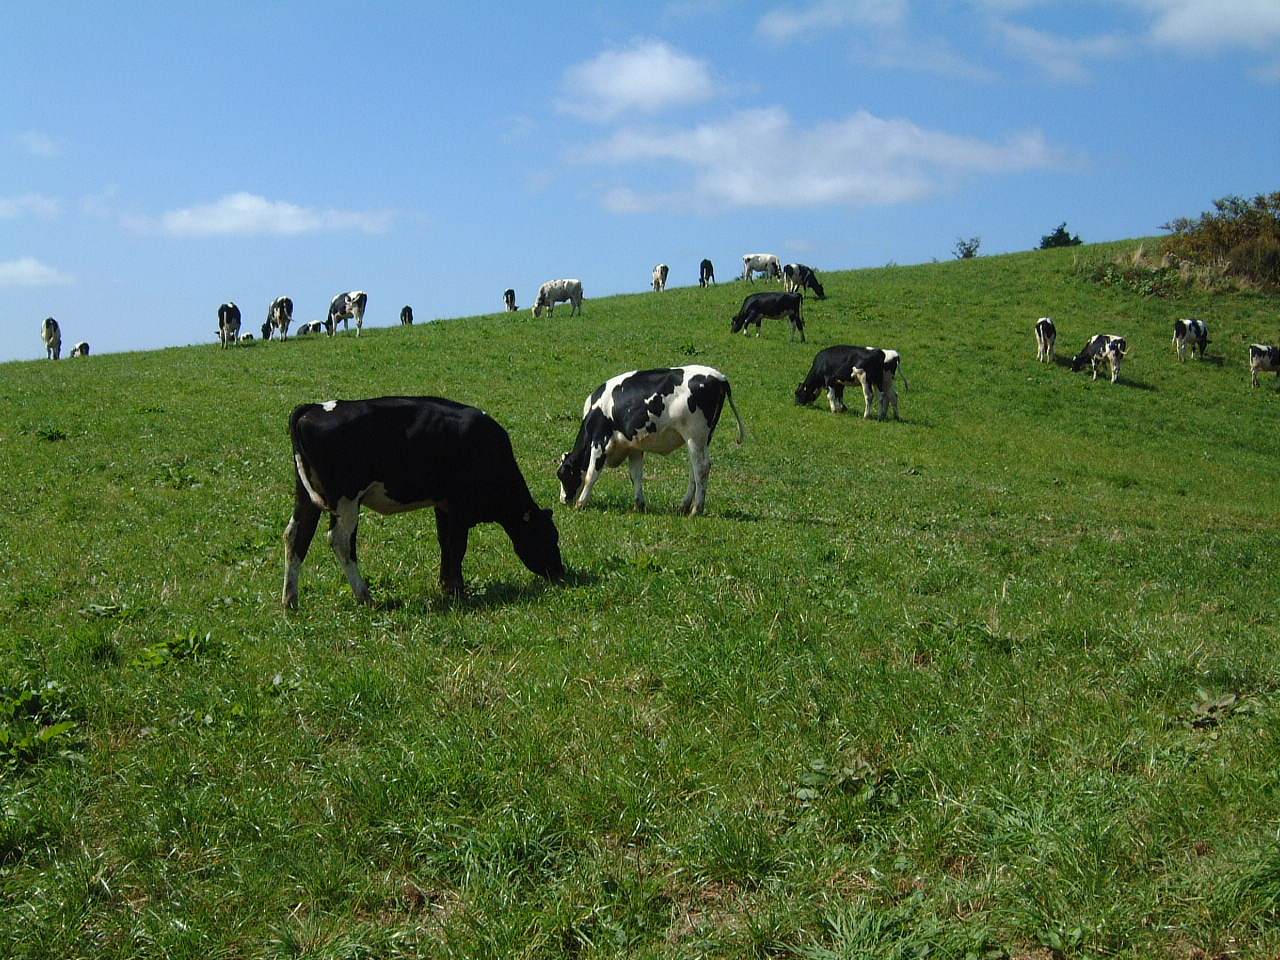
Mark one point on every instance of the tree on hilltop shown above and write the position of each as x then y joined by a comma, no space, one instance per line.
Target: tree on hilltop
1059,238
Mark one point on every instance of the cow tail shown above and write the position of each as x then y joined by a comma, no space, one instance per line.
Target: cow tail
728,395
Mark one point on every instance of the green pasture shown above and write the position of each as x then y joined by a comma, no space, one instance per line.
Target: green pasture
1001,679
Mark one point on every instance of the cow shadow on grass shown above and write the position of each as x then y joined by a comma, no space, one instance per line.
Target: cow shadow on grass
486,595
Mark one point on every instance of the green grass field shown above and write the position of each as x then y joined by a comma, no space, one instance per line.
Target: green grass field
999,680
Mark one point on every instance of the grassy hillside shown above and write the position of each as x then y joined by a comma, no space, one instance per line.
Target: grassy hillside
1000,679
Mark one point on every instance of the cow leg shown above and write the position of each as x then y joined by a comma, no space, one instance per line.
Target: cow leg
695,499
595,466
868,395
889,396
297,540
637,480
835,396
342,537
452,535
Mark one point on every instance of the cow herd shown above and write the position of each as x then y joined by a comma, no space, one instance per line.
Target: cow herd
51,336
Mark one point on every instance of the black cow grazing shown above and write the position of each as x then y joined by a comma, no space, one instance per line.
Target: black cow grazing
228,323
312,326
81,349
394,454
648,411
406,316
344,307
757,306
1263,358
1192,332
279,316
797,277
51,334
706,274
871,368
1103,346
509,300
1046,337
660,277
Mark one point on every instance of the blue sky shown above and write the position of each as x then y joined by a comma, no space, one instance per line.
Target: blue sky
159,158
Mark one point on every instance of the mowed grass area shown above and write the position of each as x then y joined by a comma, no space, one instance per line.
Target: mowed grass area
1000,679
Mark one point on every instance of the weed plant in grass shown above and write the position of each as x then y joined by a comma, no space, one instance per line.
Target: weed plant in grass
995,680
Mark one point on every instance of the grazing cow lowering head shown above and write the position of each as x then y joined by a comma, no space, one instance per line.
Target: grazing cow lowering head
871,368
81,349
406,315
1190,332
344,307
796,277
509,299
51,334
394,454
558,291
1263,358
1102,346
757,306
1046,337
660,277
279,316
648,411
706,273
228,323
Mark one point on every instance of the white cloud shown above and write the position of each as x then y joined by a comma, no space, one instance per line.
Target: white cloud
1059,58
28,205
649,77
245,214
790,23
37,144
30,272
758,158
1209,25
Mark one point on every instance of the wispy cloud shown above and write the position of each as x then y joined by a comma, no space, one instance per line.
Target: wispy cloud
1211,25
1063,59
794,22
37,144
29,205
649,77
246,214
861,160
30,272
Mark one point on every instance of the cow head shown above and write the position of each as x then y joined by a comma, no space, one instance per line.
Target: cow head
820,293
807,393
570,474
537,544
737,323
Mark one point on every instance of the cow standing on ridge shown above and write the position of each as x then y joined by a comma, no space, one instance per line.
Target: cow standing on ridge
228,323
509,299
406,316
344,307
558,291
279,316
660,277
766,263
648,411
706,273
394,454
81,349
796,278
51,334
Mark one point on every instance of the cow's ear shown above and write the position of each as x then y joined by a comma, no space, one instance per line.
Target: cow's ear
528,515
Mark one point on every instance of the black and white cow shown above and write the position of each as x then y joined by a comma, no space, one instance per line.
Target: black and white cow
869,367
796,277
1265,359
558,291
648,411
279,316
344,307
51,334
706,273
228,323
1190,332
757,306
766,263
406,316
81,349
1103,346
394,454
1046,337
312,326
660,277
509,299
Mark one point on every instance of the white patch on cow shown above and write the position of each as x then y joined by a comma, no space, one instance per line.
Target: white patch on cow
376,498
329,406
313,491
